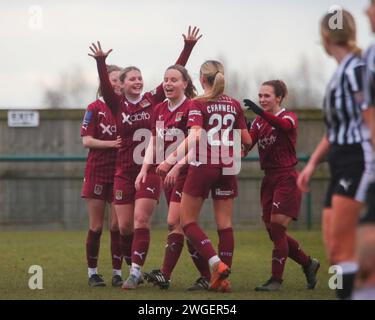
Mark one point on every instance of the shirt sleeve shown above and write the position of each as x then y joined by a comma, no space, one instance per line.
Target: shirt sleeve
292,118
89,122
110,97
241,120
195,115
369,79
154,118
254,132
185,53
355,80
284,124
157,95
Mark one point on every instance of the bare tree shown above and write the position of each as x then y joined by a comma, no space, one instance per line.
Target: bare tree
305,82
72,90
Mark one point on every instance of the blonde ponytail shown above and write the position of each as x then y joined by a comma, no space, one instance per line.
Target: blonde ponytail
345,36
213,72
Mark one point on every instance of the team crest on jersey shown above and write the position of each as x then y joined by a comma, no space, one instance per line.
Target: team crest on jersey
179,116
98,189
118,195
144,103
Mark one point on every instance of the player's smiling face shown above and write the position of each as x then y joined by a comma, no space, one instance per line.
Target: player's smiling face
174,85
268,99
133,84
115,81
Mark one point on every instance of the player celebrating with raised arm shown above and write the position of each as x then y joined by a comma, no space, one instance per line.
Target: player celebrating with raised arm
169,129
218,115
133,111
275,131
99,134
347,144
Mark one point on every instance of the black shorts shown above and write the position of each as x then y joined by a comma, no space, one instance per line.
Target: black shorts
352,171
369,214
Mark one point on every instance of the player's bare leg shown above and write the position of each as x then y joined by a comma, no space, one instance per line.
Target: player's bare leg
343,240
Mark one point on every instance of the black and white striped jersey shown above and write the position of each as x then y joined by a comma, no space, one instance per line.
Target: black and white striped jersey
344,103
369,77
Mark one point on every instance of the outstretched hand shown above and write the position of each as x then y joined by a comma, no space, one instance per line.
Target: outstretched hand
97,51
253,106
192,35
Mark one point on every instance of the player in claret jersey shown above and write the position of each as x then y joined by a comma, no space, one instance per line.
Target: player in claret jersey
213,118
169,129
275,132
99,134
133,111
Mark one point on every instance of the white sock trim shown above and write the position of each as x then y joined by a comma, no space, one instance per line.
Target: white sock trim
116,272
135,270
348,267
213,260
92,271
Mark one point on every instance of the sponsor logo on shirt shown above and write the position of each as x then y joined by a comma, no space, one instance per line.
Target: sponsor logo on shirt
267,141
108,129
169,132
135,117
98,189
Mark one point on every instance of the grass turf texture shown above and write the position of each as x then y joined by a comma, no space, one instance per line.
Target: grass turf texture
62,257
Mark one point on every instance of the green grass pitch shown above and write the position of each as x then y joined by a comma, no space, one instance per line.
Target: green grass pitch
62,257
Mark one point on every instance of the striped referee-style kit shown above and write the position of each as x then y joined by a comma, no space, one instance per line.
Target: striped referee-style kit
351,157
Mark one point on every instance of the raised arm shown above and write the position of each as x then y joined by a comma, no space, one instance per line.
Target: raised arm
189,42
276,122
109,95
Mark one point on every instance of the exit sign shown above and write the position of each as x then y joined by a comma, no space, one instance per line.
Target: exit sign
23,118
